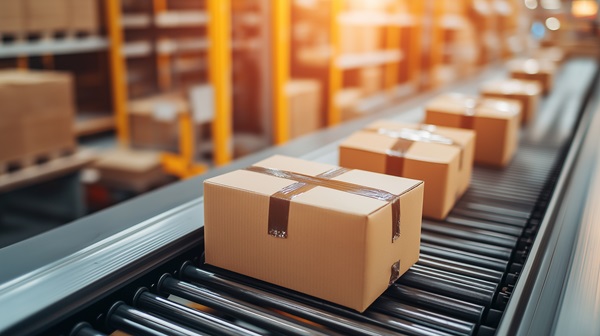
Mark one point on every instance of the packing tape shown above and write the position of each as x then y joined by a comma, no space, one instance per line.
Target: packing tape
405,138
279,202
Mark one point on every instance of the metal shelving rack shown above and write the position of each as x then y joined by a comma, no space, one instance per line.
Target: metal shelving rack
217,21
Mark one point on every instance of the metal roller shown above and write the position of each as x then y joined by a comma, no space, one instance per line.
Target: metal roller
478,235
136,322
467,245
187,316
266,299
461,268
256,315
464,257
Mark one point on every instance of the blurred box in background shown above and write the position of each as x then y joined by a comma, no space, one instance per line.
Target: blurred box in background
304,103
43,16
36,114
11,17
83,15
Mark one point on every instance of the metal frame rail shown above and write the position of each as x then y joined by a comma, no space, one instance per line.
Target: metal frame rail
467,271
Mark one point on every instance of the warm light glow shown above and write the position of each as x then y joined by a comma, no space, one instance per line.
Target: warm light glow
552,23
584,8
551,4
531,4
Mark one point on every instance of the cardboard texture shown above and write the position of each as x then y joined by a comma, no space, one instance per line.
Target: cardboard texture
304,104
83,15
371,80
46,15
495,122
339,244
538,70
526,92
347,101
359,38
37,111
11,17
151,129
445,172
134,170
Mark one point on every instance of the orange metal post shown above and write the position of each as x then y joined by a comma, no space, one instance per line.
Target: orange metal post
220,77
117,69
281,69
335,73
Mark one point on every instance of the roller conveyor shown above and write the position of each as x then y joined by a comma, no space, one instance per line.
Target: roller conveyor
469,267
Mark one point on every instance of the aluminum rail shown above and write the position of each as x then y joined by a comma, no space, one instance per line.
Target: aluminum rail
558,292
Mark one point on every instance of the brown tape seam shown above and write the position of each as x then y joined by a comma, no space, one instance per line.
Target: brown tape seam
279,202
395,272
405,138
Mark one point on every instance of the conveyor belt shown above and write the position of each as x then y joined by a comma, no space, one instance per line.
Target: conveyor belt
468,266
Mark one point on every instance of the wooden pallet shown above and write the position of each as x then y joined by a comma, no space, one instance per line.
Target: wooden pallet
43,167
8,167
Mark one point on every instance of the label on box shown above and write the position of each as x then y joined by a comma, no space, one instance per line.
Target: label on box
164,111
202,101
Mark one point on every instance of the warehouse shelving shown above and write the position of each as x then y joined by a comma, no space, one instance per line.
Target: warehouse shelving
53,46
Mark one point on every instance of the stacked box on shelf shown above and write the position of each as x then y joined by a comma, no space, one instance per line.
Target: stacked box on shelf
11,17
153,121
46,16
304,104
83,16
36,114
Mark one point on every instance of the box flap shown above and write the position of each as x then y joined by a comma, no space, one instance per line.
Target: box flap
511,87
457,103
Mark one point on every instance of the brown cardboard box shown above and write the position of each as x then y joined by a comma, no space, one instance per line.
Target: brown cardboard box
44,16
304,104
371,80
37,109
553,54
83,15
134,170
391,148
535,70
526,92
148,129
495,121
359,38
11,17
338,245
347,101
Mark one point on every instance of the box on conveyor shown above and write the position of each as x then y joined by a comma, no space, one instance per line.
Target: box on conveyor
36,113
341,235
442,157
154,120
304,106
495,121
525,91
540,70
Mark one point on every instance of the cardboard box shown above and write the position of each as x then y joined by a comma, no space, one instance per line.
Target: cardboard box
304,104
405,150
526,92
11,17
46,16
154,121
347,101
359,38
83,15
340,246
541,71
37,111
495,121
553,54
371,80
134,170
